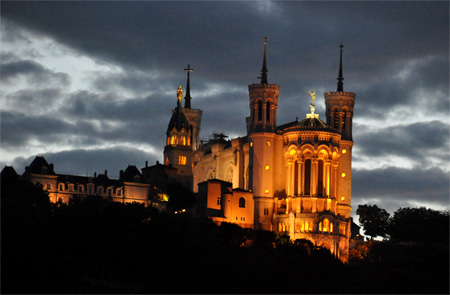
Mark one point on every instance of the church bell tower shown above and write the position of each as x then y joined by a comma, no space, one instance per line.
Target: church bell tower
261,127
339,113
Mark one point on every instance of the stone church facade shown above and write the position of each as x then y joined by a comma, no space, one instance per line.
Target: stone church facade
293,178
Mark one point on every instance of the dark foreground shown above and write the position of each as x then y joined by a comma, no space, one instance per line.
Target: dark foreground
96,246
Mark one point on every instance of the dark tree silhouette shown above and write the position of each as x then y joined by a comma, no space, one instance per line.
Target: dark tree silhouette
374,220
419,225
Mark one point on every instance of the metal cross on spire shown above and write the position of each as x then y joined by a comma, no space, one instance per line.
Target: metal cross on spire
187,98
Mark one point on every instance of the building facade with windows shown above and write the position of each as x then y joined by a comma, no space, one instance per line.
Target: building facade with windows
130,187
296,177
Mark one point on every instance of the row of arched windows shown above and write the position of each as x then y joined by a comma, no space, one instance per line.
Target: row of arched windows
260,111
182,140
89,189
325,226
336,119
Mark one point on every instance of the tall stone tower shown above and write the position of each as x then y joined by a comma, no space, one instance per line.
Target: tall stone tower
263,140
178,149
339,113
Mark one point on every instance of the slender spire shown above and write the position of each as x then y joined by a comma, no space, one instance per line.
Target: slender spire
264,68
340,84
187,98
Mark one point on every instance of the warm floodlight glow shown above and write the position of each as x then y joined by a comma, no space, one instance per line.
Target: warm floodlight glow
343,174
342,198
344,151
251,144
268,143
266,191
267,167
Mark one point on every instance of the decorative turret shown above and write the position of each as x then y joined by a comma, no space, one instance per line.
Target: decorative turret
263,102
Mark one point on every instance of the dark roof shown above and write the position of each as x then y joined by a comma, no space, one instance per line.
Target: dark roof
314,124
9,173
287,125
131,174
39,166
178,120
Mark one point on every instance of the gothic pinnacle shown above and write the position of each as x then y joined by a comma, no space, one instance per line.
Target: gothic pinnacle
187,98
340,84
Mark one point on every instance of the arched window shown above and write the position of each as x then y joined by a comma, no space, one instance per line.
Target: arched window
306,226
241,202
259,111
167,162
326,224
268,111
336,119
168,140
307,177
174,140
320,179
61,186
344,120
183,140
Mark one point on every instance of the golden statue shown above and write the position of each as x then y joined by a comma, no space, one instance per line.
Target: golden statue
180,93
313,98
313,95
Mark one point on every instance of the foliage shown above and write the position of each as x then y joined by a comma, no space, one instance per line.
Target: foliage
374,220
179,197
419,225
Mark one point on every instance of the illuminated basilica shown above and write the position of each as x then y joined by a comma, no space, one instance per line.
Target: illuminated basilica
293,178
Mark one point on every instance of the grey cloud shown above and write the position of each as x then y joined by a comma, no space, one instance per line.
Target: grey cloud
417,141
33,71
401,185
33,100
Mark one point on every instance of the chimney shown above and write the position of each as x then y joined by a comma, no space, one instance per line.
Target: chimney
157,162
95,174
146,164
106,172
121,174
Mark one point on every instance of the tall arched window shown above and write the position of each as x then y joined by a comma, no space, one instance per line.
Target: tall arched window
336,119
259,111
320,179
307,177
241,202
326,223
183,140
174,140
344,120
268,111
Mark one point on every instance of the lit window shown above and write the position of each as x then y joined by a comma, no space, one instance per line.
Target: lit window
241,202
251,144
181,160
167,161
174,140
306,226
331,227
326,223
183,140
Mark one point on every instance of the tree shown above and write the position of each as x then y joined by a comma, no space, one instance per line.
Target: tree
374,220
419,225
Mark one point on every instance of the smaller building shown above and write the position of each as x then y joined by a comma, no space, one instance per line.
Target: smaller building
130,187
220,202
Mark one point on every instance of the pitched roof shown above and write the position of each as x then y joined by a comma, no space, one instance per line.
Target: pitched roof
39,166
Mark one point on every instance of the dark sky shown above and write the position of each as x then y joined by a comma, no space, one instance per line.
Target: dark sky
91,85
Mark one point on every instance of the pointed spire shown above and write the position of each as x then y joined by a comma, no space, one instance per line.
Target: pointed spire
264,68
340,84
187,98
